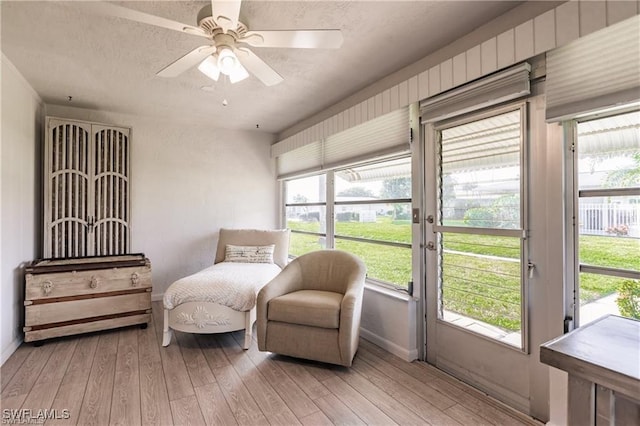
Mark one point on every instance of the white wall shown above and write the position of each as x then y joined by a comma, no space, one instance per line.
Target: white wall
187,181
20,134
389,321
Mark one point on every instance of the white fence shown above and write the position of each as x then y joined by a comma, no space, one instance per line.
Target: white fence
609,219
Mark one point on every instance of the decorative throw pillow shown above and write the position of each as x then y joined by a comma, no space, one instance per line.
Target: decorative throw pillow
249,254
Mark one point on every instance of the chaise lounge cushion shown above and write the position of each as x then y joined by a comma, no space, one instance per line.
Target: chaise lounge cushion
315,308
231,284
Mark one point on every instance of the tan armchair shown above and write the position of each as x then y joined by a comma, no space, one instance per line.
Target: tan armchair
312,308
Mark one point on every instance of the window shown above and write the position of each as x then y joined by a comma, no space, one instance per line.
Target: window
306,213
368,214
607,216
372,218
480,224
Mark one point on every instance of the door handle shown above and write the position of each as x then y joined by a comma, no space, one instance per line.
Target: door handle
531,267
431,246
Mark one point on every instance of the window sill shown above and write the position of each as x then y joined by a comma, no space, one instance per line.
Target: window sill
391,293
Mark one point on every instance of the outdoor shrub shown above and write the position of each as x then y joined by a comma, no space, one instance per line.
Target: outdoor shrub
402,213
629,298
347,216
479,216
506,211
310,217
619,230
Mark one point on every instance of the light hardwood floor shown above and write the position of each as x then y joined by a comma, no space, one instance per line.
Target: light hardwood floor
126,377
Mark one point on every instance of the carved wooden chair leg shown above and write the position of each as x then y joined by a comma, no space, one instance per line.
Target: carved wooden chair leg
166,332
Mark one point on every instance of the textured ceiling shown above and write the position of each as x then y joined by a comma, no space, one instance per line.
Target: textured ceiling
107,63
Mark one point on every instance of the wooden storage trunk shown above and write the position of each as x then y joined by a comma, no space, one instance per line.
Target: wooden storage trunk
80,295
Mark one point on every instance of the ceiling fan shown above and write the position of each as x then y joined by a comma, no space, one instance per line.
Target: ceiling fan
228,50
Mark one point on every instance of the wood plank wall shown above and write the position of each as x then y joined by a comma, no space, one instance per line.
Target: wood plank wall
547,31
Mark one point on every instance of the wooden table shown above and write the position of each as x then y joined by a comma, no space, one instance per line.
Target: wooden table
603,362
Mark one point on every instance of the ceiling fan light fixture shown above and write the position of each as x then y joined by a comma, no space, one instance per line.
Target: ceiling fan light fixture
239,74
227,61
209,67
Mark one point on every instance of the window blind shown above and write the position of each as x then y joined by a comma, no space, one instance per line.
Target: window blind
384,135
595,72
305,159
492,90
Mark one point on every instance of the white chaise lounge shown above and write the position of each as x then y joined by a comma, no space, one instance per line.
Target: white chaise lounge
222,297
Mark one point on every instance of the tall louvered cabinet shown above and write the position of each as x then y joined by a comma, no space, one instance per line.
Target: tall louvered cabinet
87,187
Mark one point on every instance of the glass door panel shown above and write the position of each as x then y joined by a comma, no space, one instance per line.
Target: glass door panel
481,285
480,226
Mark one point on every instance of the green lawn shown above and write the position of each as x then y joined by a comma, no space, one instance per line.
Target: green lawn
384,229
605,251
482,274
481,278
385,263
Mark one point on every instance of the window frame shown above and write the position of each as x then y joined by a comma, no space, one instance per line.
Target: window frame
574,195
330,204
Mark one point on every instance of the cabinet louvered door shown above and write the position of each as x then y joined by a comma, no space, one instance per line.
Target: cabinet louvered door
86,189
66,191
110,234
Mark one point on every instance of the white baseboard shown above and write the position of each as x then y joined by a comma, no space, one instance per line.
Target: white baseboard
9,350
404,353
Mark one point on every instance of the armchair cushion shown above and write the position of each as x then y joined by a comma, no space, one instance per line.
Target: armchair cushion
315,308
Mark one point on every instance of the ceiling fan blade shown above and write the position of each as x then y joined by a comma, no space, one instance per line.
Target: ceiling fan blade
189,60
111,9
258,67
226,13
306,39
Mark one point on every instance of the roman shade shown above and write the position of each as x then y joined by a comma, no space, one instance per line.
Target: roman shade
595,72
492,90
305,159
385,135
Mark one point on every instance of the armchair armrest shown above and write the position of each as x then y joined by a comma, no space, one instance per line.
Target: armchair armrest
350,313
